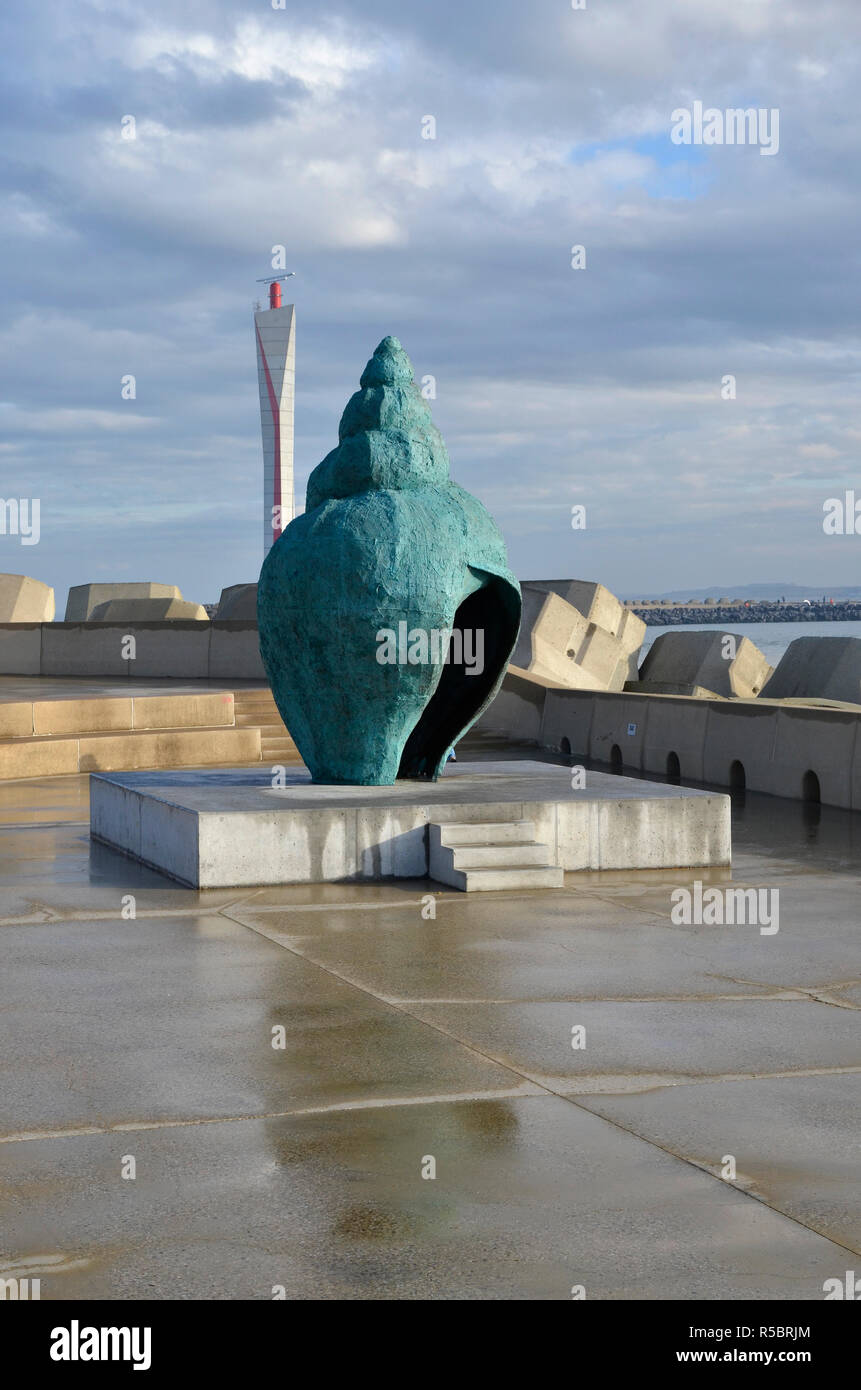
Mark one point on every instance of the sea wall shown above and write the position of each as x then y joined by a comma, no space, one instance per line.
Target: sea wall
789,750
219,650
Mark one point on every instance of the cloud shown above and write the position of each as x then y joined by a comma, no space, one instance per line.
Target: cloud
303,127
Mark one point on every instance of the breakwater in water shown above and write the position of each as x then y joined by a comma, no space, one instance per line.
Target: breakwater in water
698,615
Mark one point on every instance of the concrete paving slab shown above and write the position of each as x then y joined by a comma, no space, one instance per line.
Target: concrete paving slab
55,853
399,955
65,798
794,1140
164,1018
577,945
531,1197
156,1022
635,1046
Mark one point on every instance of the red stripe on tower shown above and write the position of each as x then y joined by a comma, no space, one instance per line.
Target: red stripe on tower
276,426
275,343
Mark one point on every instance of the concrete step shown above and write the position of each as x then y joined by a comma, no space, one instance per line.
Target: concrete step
269,733
490,857
498,880
129,751
247,698
486,832
256,709
116,714
495,855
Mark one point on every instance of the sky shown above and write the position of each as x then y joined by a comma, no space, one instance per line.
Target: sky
602,387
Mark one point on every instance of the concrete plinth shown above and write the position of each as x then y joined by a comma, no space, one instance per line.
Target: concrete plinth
230,828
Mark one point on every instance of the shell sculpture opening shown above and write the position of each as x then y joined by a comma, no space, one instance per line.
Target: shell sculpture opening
387,611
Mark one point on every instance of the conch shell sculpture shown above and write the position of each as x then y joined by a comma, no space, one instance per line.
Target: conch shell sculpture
359,596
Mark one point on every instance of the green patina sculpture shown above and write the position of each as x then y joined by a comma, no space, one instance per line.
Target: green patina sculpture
358,597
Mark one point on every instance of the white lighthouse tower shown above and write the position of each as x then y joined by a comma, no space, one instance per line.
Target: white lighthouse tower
275,334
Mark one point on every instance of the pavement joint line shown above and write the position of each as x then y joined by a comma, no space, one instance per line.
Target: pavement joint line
526,1091
607,1083
820,994
821,997
452,897
203,910
41,824
631,907
530,1089
571,1099
34,919
787,996
638,906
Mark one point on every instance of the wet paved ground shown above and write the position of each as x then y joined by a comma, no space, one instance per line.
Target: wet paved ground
407,1041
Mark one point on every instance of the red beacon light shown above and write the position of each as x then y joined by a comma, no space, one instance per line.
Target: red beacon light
274,283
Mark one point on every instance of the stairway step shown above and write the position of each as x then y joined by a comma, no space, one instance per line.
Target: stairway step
506,856
256,709
90,714
484,833
478,857
60,755
496,880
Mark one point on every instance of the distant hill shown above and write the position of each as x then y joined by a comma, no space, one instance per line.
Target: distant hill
752,591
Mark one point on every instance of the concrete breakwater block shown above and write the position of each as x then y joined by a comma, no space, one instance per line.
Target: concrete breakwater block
577,634
238,603
824,667
148,610
83,598
720,662
557,643
25,600
225,828
597,605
